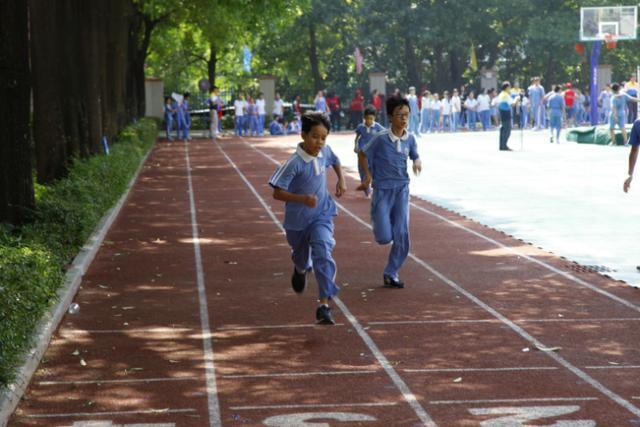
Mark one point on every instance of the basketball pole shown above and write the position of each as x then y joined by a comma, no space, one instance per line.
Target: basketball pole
593,86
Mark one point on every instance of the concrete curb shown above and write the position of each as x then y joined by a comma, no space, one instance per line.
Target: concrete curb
10,397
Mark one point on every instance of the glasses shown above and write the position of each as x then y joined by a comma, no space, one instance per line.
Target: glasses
401,116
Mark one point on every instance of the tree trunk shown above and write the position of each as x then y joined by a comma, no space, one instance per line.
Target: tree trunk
313,58
90,63
16,184
413,71
48,87
212,62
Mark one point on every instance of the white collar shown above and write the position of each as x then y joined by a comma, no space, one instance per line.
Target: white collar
395,138
304,155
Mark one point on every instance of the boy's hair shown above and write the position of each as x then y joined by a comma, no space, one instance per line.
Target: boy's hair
395,101
615,87
314,118
186,94
370,110
505,86
556,88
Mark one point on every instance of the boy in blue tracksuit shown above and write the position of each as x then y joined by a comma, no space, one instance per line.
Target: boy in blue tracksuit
301,182
387,154
187,116
168,116
364,133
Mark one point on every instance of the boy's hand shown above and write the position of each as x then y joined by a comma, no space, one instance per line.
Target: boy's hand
366,182
311,200
341,188
627,184
417,167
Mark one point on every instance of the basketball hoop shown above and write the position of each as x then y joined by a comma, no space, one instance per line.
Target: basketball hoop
610,40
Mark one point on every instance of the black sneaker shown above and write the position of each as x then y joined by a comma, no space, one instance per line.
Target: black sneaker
390,282
323,315
298,281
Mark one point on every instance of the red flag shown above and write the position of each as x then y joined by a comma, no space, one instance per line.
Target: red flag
358,57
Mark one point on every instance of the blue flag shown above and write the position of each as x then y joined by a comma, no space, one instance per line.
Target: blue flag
246,59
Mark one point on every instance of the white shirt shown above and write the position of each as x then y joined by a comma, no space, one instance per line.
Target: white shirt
483,102
426,103
446,107
471,104
260,105
436,105
277,107
455,104
240,105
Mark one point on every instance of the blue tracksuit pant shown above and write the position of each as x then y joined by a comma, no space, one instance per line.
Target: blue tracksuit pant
313,247
390,218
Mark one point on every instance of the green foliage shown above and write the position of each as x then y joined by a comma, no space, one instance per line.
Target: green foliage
33,258
421,42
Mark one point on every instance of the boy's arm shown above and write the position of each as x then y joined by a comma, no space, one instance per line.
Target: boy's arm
341,187
633,156
309,200
364,165
355,146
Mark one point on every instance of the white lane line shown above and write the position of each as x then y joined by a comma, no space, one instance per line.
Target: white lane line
312,405
522,368
431,322
534,399
123,331
96,414
301,374
207,344
520,331
399,383
614,367
141,380
473,321
532,259
249,328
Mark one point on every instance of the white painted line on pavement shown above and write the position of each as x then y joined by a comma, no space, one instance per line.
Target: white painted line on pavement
67,332
523,368
301,374
141,380
614,367
96,414
511,324
312,405
473,321
249,328
399,383
534,399
207,343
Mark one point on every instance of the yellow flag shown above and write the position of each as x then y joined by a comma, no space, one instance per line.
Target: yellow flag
473,61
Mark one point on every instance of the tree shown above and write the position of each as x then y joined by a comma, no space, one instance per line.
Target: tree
16,185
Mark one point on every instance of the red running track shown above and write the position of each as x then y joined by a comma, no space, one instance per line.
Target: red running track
187,318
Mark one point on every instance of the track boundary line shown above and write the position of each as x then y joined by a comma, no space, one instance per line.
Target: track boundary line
207,344
519,330
141,380
533,399
312,405
93,414
517,368
382,360
301,374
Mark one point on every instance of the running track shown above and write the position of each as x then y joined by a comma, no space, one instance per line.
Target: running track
187,318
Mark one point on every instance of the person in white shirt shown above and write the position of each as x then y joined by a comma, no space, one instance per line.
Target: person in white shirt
471,105
425,112
278,106
456,108
214,105
484,109
436,112
239,105
446,111
260,104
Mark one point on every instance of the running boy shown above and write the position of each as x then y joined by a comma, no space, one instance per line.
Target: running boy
364,133
387,154
301,182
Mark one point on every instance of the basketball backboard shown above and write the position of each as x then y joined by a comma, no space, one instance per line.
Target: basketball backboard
618,21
